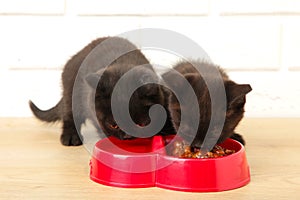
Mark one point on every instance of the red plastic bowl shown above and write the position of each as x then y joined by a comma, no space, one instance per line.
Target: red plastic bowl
144,163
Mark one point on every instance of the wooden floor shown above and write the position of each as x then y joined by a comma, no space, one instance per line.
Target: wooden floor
34,165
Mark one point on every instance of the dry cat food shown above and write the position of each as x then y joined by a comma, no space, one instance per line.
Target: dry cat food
182,150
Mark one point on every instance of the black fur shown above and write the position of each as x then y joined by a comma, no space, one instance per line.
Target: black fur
235,93
140,102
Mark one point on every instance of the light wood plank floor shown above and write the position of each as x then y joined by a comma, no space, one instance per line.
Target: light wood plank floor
34,165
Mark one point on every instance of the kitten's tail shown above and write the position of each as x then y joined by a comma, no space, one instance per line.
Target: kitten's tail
51,115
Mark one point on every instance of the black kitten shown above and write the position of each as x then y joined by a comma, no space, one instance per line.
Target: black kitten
93,100
235,94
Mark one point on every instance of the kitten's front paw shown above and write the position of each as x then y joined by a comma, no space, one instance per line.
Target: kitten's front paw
238,138
70,140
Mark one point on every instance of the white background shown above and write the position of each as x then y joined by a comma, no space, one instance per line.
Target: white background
256,41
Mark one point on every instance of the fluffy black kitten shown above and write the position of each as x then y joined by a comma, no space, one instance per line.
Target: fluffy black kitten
90,96
235,97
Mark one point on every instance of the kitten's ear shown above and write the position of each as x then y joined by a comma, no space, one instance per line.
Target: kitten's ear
236,93
93,79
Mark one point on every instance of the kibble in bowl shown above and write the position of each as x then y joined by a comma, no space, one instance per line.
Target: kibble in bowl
182,150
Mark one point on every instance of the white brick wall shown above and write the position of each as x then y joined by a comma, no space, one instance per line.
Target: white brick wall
143,7
259,7
257,41
32,7
291,44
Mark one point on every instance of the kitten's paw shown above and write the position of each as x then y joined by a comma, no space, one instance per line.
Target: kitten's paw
70,140
238,138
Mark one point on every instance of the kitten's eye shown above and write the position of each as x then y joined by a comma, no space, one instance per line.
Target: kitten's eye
114,126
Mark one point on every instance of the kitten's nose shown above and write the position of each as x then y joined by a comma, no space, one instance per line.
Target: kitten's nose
142,124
